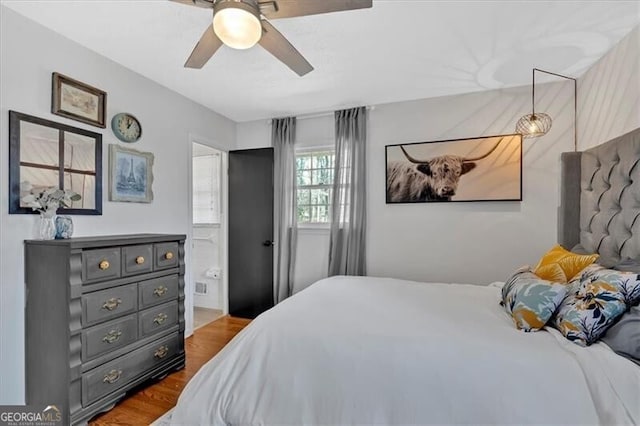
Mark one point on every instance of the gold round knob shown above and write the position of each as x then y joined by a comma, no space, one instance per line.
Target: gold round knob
104,265
169,255
139,260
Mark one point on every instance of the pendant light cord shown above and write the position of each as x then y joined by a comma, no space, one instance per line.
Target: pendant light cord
575,101
533,93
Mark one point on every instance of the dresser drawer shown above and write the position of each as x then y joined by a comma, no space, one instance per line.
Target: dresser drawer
103,264
110,303
159,290
137,259
165,255
115,374
161,317
111,335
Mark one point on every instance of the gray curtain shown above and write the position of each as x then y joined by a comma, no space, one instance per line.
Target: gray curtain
348,207
283,135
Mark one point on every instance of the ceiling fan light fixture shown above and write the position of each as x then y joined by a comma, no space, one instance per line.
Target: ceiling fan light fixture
237,24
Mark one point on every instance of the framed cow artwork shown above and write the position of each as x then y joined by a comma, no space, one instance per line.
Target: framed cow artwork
487,168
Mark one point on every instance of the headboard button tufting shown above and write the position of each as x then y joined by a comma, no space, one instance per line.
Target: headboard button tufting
608,220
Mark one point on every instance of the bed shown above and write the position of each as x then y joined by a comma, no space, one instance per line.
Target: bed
364,350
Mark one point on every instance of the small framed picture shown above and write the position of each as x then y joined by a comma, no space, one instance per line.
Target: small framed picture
130,175
78,101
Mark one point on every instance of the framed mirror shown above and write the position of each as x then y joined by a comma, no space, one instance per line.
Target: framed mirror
45,153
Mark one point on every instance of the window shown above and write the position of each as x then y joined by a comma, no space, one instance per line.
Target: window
315,181
206,189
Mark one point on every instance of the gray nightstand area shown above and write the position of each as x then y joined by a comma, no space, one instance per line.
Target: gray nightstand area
103,315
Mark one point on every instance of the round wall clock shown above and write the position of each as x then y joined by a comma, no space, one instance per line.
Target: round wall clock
126,127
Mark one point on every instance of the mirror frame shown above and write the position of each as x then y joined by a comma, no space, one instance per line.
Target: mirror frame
15,118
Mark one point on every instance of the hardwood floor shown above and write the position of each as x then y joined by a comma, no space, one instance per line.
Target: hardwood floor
144,406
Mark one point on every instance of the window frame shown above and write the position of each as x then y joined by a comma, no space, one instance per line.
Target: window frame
219,191
309,151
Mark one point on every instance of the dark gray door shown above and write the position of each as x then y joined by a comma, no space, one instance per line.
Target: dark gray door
250,232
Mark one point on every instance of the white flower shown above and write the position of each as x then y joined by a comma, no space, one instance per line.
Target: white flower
47,200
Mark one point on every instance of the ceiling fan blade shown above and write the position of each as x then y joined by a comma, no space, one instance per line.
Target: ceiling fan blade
206,4
278,46
204,50
289,8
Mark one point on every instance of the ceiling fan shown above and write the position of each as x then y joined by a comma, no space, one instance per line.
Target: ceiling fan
241,24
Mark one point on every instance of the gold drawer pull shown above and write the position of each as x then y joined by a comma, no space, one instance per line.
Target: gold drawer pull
112,376
104,265
139,260
160,291
161,352
111,304
112,336
168,255
160,318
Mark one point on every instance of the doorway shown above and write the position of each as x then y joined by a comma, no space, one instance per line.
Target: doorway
208,253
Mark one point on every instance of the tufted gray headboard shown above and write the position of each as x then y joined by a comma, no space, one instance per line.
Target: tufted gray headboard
600,200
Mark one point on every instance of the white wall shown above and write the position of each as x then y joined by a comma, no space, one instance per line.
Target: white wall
609,94
29,54
475,242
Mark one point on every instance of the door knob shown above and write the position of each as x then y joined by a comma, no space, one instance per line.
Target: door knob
268,243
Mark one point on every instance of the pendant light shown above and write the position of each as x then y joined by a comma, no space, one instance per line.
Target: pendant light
538,124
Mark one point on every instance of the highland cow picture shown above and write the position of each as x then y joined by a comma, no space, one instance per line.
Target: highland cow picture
479,169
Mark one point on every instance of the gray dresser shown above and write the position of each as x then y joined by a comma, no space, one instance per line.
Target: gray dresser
103,314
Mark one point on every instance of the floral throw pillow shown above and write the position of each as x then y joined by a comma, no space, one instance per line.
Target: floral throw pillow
628,283
561,265
587,313
574,284
530,300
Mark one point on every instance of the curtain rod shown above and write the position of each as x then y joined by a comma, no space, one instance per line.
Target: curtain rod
319,114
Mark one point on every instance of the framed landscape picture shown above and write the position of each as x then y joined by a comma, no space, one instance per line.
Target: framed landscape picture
487,168
78,101
130,175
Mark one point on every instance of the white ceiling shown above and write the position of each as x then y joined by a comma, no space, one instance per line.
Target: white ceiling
398,50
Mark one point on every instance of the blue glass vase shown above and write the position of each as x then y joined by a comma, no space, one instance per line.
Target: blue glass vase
64,227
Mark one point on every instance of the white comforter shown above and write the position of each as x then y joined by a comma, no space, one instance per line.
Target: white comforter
383,351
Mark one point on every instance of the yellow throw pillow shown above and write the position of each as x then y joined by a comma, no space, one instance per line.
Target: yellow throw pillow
561,265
